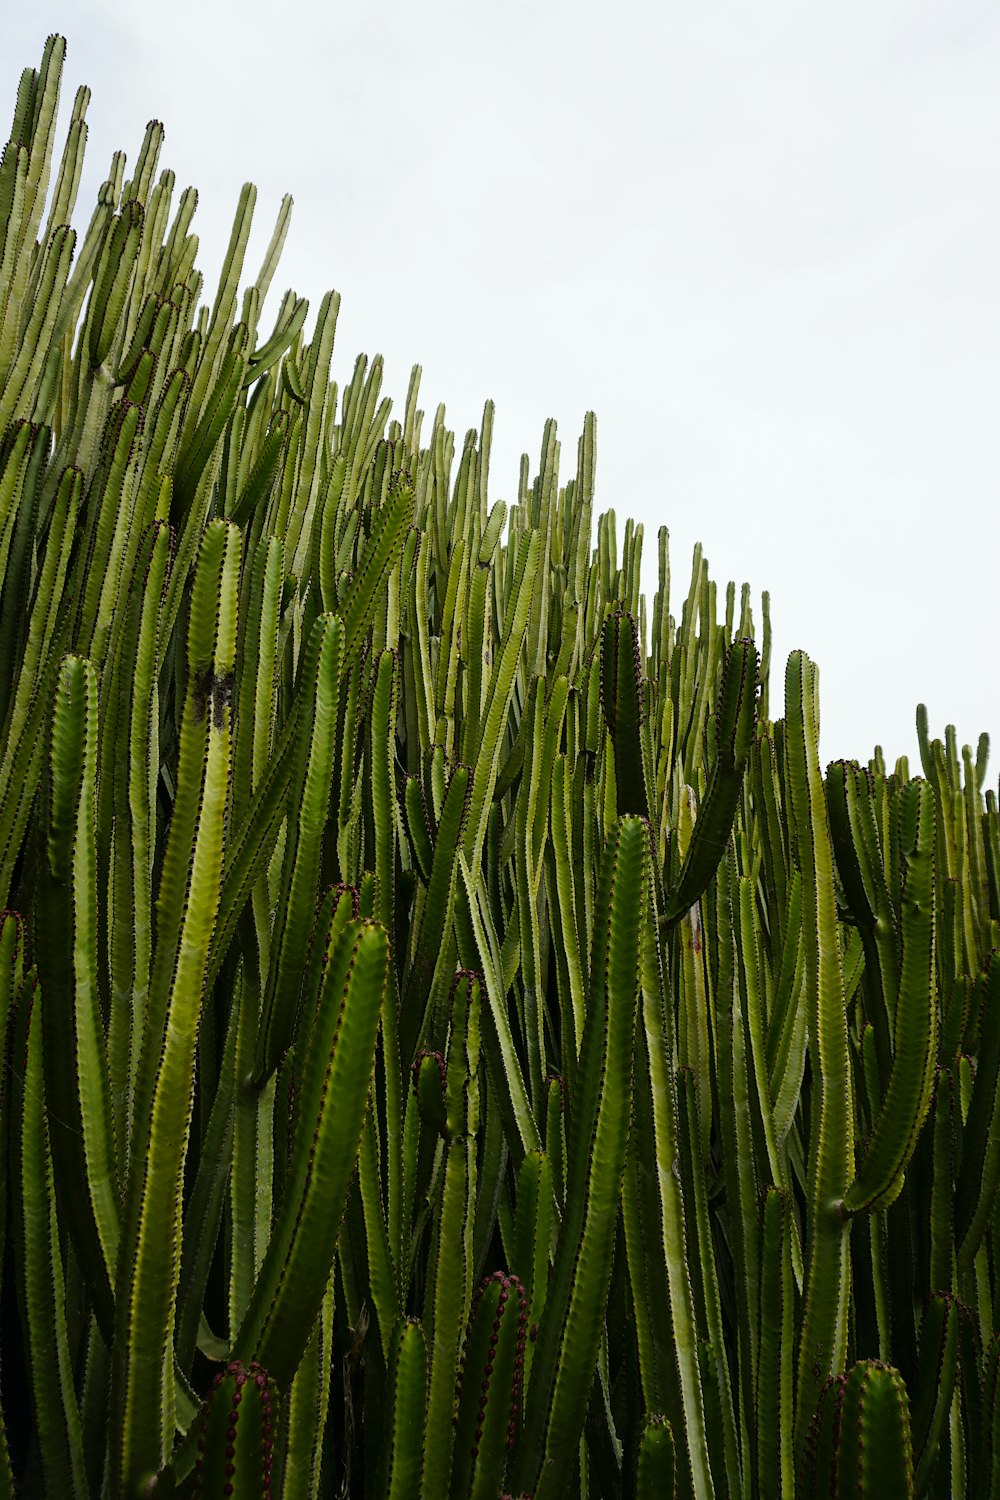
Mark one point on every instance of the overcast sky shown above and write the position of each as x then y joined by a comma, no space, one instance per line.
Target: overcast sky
760,240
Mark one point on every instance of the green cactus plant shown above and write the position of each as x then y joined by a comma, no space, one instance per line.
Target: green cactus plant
236,1438
393,907
860,1438
489,1385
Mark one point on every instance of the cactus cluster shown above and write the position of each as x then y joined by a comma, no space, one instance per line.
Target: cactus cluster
457,1042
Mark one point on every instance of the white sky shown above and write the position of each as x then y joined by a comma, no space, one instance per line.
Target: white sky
760,240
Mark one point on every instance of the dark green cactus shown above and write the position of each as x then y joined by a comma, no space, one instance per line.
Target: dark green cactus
859,1441
408,1392
935,1384
338,1058
987,1459
449,1294
237,1436
979,1173
429,1086
489,1386
568,1348
912,1011
621,700
734,723
655,1477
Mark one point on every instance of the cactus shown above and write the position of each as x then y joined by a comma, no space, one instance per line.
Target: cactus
338,1057
142,1375
449,1292
236,1440
655,1466
489,1385
913,1012
555,1399
823,1340
734,731
394,906
408,1394
979,1173
859,1441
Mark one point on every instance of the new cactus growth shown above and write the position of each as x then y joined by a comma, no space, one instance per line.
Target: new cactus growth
655,1478
859,1442
237,1433
393,906
429,1087
490,1381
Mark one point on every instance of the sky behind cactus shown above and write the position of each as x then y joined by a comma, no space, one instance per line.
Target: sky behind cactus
760,241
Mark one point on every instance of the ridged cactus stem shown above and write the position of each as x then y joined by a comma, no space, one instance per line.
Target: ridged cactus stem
337,1064
859,1444
489,1386
450,1292
77,1079
823,1335
656,1477
238,1429
408,1394
42,1274
568,1347
309,801
908,1091
736,716
142,1383
979,1173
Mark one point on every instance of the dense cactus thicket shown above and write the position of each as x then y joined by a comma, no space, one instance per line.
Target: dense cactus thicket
456,1041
